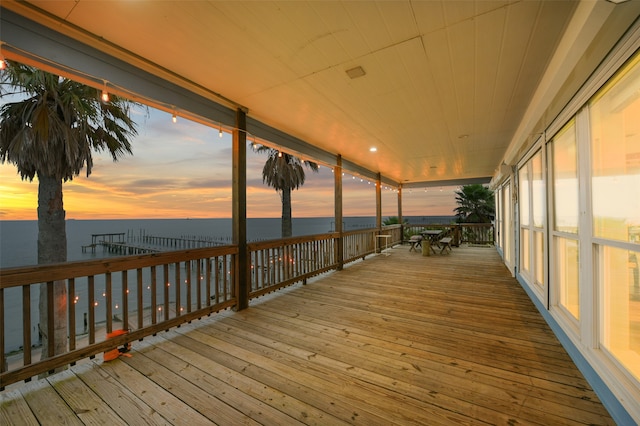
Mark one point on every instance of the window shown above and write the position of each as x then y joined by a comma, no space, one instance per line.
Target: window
621,305
615,153
524,195
532,221
614,115
537,191
506,191
565,180
566,257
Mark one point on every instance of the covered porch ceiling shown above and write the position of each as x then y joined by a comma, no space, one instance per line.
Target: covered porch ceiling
445,90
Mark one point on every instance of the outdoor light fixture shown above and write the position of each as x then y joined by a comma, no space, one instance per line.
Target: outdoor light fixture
105,94
3,62
220,131
174,117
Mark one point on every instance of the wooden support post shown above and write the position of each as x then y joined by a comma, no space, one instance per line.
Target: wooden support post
400,221
378,204
337,175
239,207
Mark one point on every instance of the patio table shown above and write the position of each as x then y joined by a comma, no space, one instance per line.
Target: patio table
431,236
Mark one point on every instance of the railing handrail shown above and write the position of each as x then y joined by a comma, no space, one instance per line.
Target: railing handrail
392,226
21,275
259,245
359,231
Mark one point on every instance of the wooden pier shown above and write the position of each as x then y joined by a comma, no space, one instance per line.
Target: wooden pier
121,243
183,242
102,239
127,249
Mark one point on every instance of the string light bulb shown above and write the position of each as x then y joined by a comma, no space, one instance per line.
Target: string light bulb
174,117
3,62
220,131
105,94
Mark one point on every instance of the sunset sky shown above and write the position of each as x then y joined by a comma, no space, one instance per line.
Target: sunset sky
183,169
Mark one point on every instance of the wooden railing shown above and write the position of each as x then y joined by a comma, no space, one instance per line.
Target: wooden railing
140,294
145,294
396,233
476,233
361,243
358,244
278,263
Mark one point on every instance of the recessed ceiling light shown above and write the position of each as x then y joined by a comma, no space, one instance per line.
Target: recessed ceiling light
355,72
373,149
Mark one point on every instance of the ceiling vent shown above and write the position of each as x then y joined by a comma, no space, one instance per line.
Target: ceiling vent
355,72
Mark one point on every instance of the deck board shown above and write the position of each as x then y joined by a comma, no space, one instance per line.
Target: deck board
399,339
129,407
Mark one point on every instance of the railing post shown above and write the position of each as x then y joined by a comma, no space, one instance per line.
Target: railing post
457,234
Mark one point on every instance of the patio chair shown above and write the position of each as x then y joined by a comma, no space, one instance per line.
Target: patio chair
445,243
415,241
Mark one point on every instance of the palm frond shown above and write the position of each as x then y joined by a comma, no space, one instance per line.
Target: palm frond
283,171
54,129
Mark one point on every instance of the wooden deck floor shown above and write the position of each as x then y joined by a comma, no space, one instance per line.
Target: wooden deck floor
403,339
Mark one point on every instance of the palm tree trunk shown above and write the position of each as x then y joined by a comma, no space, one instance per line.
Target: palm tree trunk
52,248
286,213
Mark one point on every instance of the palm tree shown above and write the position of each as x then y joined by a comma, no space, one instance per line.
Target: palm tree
49,133
284,173
476,204
394,220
